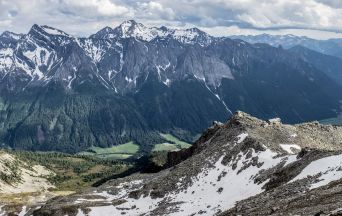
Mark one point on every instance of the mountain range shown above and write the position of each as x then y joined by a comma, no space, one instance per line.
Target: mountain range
332,47
130,83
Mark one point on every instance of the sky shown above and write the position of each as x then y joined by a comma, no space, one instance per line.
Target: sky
319,19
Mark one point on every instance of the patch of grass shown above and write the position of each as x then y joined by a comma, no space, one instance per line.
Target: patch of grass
174,144
165,147
127,148
159,158
73,172
114,156
119,152
175,140
18,198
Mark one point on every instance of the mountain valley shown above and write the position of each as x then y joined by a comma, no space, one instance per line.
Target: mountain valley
132,83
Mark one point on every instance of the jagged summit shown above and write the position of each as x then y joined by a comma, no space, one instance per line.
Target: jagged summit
133,29
44,29
130,24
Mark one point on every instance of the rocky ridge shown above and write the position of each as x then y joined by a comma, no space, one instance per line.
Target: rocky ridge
245,166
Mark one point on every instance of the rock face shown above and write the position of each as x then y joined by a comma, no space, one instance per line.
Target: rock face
244,167
59,92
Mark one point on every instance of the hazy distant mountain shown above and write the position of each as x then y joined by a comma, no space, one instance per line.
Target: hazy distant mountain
329,47
330,65
128,83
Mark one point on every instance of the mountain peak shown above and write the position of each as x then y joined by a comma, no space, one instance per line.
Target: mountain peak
11,35
104,33
131,28
35,28
107,29
195,29
130,22
47,30
131,25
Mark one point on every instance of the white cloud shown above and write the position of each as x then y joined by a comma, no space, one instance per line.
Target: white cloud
331,3
102,7
155,9
84,17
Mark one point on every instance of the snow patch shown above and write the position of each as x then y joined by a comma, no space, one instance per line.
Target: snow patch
53,31
224,104
6,60
31,180
131,207
6,52
23,211
94,51
80,213
215,188
167,82
274,120
39,57
290,159
144,205
2,213
293,135
330,169
129,80
288,147
71,79
222,186
242,137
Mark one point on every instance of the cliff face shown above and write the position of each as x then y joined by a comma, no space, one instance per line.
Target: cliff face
245,166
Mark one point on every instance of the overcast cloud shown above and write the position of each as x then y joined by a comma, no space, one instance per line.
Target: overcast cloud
316,18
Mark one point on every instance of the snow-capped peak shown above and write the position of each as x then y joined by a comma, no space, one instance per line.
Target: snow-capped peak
137,30
133,29
107,29
192,35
